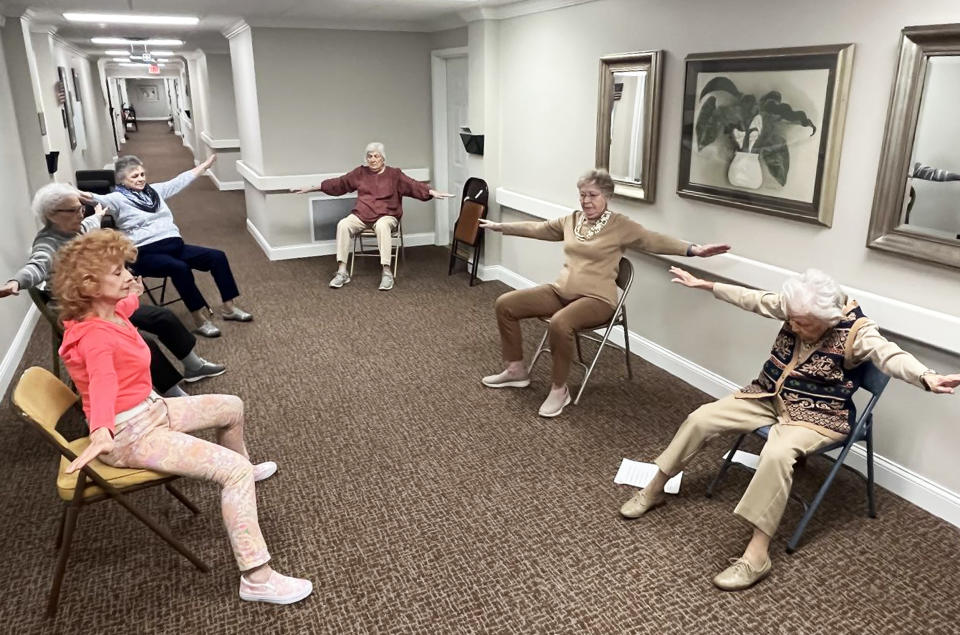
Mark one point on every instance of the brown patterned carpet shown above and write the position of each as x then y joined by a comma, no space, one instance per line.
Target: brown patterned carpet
418,501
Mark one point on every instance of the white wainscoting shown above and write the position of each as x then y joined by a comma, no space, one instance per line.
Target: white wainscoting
322,247
934,328
219,144
224,185
17,348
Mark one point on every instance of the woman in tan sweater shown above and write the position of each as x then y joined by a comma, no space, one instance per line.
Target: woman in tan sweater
585,294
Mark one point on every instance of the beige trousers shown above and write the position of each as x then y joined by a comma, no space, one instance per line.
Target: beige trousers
763,503
352,225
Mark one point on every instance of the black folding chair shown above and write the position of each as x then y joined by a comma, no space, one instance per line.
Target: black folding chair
873,381
619,318
467,231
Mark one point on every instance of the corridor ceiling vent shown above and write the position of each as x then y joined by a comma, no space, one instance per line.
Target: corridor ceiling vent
132,18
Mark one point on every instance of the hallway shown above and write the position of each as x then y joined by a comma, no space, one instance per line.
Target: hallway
418,501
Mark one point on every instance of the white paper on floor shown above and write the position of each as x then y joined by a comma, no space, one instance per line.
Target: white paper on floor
639,474
744,458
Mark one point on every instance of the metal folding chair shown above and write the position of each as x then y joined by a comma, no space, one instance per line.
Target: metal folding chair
41,299
467,231
41,399
874,382
366,249
624,281
162,288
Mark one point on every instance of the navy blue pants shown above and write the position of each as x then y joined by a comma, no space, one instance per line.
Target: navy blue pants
172,257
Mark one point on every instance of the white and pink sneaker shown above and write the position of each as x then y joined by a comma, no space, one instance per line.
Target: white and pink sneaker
263,471
278,589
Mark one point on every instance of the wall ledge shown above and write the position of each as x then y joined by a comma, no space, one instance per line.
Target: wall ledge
285,182
219,144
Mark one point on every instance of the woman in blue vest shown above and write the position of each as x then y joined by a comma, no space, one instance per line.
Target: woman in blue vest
803,391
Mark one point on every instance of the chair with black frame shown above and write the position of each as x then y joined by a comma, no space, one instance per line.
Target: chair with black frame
619,318
466,231
42,400
41,299
874,382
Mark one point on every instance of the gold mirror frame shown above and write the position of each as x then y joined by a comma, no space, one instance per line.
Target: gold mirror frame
887,233
650,61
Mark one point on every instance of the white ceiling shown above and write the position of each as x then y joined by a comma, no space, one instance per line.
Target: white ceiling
216,15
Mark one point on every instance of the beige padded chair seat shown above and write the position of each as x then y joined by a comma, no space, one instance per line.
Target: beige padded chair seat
117,476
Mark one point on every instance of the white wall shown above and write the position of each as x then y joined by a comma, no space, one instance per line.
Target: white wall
21,90
19,229
547,135
137,90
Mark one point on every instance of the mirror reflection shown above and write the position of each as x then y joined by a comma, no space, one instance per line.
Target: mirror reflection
932,195
626,125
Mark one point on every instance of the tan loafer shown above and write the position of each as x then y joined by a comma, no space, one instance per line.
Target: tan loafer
554,404
741,575
639,504
506,380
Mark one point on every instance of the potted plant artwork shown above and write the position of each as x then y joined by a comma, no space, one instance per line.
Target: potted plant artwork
756,127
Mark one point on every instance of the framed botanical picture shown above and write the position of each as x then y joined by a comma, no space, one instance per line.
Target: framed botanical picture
762,129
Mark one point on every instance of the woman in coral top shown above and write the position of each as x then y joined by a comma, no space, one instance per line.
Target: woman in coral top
131,426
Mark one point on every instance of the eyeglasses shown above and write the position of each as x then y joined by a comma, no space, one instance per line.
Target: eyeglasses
72,210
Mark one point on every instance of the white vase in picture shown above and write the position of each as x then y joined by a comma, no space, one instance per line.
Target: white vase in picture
745,170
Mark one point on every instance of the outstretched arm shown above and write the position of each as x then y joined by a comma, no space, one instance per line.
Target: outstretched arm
334,187
892,360
765,303
546,230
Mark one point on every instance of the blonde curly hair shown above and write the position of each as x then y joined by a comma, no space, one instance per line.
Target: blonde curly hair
81,263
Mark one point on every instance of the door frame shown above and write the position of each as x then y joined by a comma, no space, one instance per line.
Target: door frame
438,72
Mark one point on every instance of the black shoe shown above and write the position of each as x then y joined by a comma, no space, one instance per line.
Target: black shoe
209,369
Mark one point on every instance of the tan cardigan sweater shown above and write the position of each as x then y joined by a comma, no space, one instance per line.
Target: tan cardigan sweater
591,266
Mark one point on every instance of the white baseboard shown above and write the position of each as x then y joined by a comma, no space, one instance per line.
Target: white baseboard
224,185
322,247
907,484
17,348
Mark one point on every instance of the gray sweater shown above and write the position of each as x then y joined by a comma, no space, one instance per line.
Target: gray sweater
39,268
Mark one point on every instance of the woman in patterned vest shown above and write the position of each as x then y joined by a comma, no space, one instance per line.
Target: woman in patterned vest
803,391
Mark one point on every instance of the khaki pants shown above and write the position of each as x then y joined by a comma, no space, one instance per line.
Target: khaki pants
763,503
566,318
352,225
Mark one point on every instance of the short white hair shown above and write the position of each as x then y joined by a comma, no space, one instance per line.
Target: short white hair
124,165
816,294
375,146
50,198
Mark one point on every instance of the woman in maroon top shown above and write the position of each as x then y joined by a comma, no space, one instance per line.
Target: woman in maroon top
379,191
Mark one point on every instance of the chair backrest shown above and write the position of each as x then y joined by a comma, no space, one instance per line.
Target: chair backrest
42,400
473,207
96,181
872,380
624,275
42,300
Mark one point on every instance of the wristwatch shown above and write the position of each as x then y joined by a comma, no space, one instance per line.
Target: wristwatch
923,381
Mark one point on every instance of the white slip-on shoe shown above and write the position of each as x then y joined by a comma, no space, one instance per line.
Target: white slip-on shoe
340,279
505,380
554,404
386,281
263,471
278,589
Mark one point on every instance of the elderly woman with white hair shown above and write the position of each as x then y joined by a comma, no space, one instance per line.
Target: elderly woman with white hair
804,392
142,214
585,294
379,189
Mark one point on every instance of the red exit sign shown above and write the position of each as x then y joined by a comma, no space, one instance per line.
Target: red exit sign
153,69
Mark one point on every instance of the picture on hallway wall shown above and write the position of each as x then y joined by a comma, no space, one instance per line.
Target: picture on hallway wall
149,93
66,106
762,129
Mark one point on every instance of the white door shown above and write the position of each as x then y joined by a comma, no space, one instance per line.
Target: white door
457,116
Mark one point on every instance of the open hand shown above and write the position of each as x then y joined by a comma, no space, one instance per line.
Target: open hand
705,251
101,442
85,197
942,384
687,279
436,194
11,288
99,210
136,287
210,161
488,224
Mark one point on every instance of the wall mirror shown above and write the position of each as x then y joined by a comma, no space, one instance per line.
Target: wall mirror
628,121
916,204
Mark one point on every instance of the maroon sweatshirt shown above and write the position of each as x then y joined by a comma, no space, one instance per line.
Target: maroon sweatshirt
377,194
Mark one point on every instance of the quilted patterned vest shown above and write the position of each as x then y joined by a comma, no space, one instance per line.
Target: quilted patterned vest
819,390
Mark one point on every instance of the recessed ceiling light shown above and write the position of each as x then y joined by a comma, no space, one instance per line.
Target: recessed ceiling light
130,18
140,64
116,52
161,53
127,41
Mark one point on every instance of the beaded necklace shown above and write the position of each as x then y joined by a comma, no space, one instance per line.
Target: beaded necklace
593,231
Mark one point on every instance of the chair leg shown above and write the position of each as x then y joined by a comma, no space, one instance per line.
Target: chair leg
69,525
626,341
811,510
726,465
871,501
476,264
183,499
352,256
453,259
56,354
540,350
58,541
596,358
576,337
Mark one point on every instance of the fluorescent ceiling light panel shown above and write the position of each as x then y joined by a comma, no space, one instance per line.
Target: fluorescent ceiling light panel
122,41
117,52
130,18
